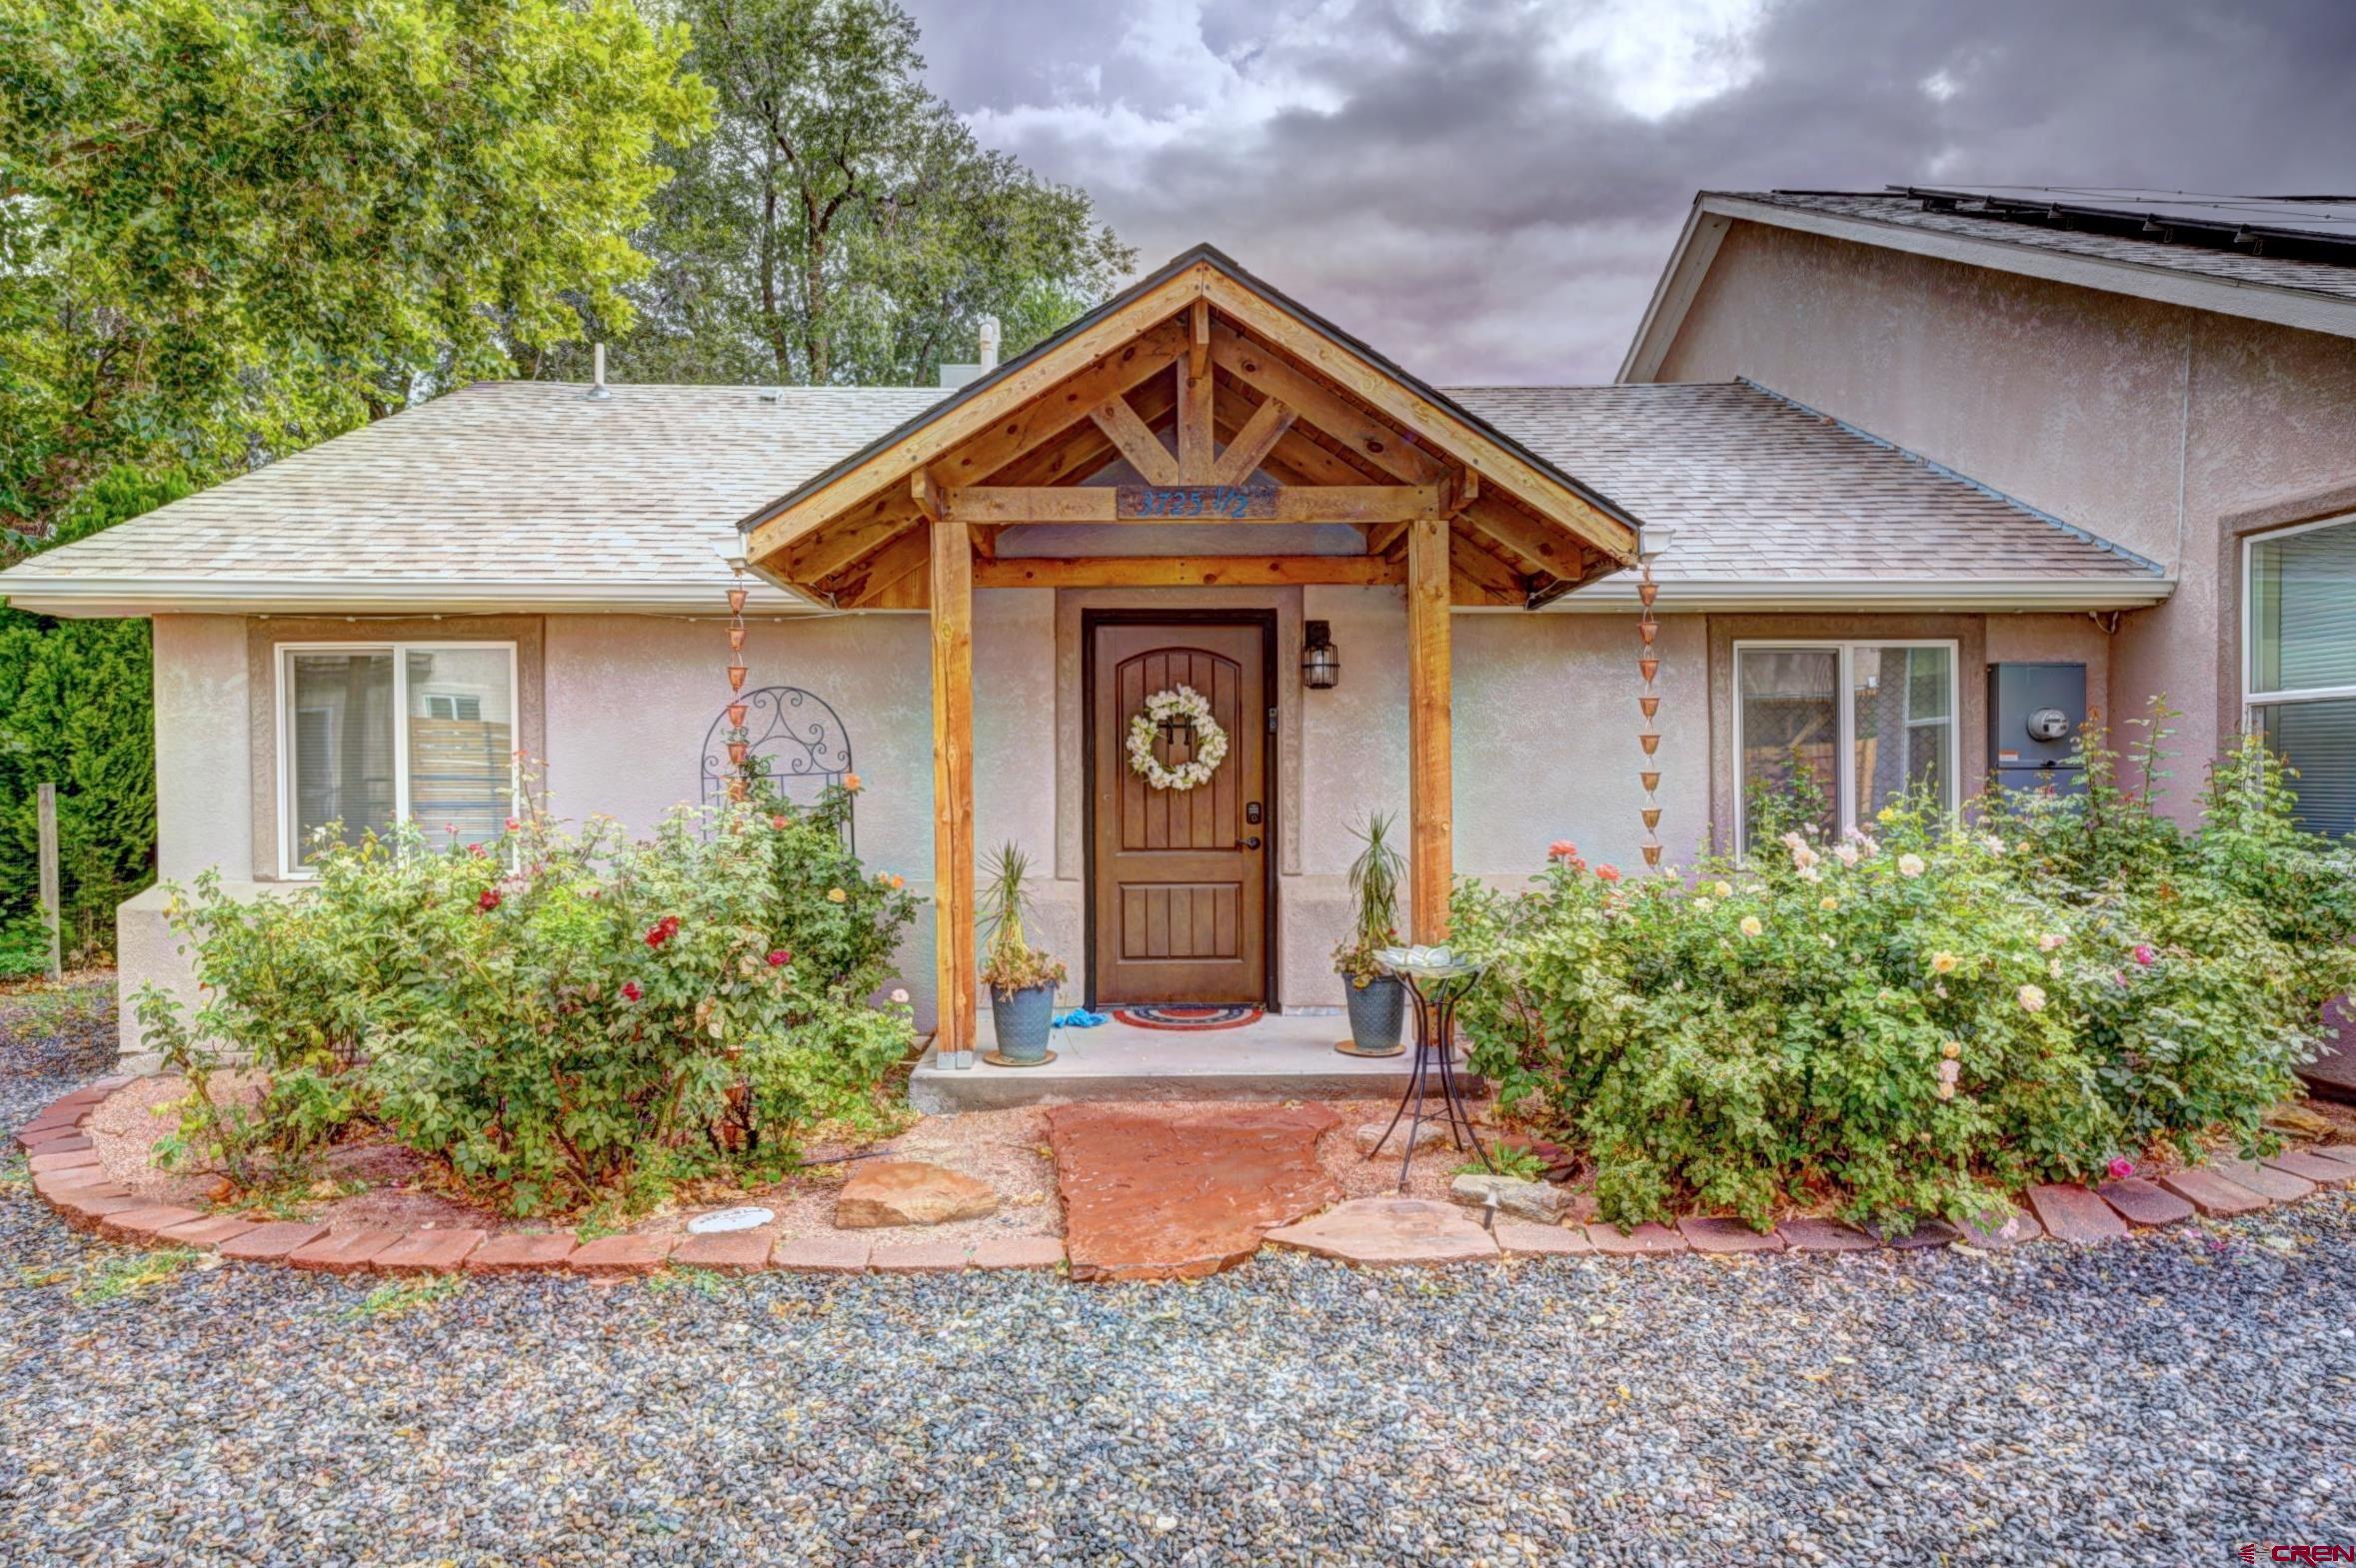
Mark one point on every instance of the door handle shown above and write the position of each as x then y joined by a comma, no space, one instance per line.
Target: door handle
1251,842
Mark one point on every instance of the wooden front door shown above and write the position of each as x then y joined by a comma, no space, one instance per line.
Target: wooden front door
1179,892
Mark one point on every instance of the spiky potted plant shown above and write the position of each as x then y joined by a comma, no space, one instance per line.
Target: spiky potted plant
1021,978
1378,1001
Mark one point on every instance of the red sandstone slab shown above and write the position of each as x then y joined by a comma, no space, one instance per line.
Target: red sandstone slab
920,1257
207,1233
1725,1237
1645,1239
84,1213
1148,1195
145,1224
345,1251
53,1140
729,1252
2324,1172
67,1116
1823,1235
613,1257
1530,1239
2276,1186
1385,1232
838,1254
2212,1195
271,1242
429,1251
2001,1227
60,1186
2075,1214
1927,1233
2142,1202
2343,1152
1019,1253
515,1253
68,1159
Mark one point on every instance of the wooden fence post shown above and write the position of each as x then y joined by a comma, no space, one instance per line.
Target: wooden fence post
46,794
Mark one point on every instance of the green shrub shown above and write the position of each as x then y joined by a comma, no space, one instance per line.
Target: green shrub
565,1020
1897,1021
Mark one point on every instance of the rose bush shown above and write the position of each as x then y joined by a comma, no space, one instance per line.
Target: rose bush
562,1018
1899,1021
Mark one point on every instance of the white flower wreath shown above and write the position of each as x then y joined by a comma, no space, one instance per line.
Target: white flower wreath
1211,741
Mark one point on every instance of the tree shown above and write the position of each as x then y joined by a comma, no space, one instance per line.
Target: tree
231,227
841,224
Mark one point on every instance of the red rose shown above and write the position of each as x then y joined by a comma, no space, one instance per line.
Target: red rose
513,824
779,956
489,901
1610,873
777,822
1562,850
629,990
662,930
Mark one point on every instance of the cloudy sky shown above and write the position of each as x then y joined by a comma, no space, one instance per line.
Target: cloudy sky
1487,188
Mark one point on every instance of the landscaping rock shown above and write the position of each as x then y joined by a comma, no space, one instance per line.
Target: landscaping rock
2075,1214
1926,1233
1647,1239
2278,1187
1383,1233
1534,1200
2142,1202
911,1192
1520,1236
1726,1236
1823,1235
2212,1195
1154,1196
1428,1135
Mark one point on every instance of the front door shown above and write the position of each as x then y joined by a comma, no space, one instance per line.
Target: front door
1179,894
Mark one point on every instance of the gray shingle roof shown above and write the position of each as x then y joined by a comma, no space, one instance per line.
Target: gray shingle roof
2323,278
1761,489
527,493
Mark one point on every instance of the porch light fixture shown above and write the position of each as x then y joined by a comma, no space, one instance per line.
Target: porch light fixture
1320,662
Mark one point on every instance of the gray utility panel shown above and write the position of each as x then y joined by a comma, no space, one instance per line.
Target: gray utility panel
2034,713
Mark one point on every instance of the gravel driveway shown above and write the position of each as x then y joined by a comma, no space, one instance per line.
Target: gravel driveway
2159,1401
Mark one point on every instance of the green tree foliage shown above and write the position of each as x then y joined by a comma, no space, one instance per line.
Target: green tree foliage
841,224
231,227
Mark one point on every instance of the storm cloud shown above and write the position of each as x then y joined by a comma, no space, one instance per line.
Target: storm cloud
1488,191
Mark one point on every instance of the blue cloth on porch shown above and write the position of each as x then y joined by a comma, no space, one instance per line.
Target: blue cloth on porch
1079,1018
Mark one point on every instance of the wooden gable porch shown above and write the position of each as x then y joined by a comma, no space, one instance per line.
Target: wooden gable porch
1198,397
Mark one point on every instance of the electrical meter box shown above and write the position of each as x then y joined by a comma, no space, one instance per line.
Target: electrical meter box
2034,713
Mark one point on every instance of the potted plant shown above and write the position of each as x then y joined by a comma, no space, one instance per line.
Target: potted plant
1021,978
1378,1001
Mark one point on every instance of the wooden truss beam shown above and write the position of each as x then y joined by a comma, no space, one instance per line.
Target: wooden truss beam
998,504
1187,571
1133,440
1252,443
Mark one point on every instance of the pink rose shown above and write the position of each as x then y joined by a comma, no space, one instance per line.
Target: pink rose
2144,956
2120,1168
513,824
1610,873
1562,850
778,958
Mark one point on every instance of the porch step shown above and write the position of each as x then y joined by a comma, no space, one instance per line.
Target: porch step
1280,1058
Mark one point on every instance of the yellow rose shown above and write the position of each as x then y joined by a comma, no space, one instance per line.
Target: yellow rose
1722,890
1751,925
1828,904
836,895
1942,963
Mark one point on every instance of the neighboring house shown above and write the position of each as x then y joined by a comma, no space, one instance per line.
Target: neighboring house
1868,475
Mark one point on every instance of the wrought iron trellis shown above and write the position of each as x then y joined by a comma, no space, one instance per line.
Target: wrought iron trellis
793,736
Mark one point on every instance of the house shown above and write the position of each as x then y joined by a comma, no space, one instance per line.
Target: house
1872,448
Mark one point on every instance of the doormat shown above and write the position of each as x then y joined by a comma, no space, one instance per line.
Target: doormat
1188,1016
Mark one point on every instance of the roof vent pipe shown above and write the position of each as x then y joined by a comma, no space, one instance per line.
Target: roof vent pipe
597,373
989,344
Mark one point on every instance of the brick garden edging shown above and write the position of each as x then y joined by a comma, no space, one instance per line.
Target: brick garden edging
68,1176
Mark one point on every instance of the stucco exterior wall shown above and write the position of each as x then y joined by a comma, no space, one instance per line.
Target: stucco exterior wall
2151,424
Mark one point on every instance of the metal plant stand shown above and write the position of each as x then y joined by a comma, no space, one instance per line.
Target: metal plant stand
1436,981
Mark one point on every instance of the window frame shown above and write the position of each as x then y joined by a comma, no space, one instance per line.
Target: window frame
2251,699
290,858
1845,716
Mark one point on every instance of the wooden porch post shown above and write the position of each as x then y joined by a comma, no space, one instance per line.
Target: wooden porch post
1431,806
953,783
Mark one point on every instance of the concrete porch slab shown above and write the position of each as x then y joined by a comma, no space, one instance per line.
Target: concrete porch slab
1283,1057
